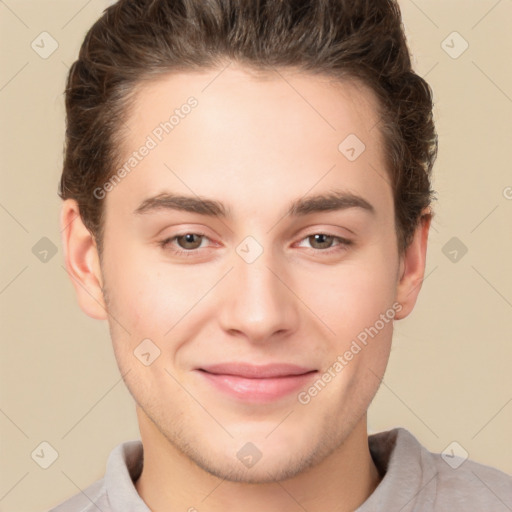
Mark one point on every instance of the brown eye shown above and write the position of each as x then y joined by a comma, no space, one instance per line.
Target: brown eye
186,245
323,241
187,241
325,244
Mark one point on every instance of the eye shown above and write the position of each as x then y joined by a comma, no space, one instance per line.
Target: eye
189,240
324,242
187,243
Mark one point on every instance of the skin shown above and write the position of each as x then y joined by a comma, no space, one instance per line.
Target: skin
255,144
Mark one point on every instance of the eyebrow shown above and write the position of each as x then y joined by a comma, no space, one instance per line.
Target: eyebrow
332,201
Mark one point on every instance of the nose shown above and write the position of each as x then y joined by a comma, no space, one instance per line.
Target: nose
258,301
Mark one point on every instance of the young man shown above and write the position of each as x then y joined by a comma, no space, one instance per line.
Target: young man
247,202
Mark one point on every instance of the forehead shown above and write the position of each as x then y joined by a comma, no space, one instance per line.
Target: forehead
268,100
275,135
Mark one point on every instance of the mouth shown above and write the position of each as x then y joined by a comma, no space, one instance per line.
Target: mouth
257,384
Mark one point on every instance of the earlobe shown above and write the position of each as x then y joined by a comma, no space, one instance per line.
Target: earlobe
82,261
412,267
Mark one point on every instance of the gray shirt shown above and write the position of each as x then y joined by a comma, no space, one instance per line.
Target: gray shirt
415,480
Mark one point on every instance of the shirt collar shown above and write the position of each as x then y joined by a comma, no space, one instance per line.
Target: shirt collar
124,466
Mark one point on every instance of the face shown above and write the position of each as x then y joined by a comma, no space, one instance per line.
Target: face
293,260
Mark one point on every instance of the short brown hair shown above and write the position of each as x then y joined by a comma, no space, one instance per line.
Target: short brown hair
138,40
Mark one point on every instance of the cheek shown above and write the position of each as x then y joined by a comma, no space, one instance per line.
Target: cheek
357,305
352,296
155,301
147,295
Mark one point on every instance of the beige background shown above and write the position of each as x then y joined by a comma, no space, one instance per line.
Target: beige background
449,377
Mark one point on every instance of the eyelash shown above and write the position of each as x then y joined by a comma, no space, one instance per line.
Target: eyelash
343,243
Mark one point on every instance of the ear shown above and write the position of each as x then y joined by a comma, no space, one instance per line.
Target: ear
82,261
412,267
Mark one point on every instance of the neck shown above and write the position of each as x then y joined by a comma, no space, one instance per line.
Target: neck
171,481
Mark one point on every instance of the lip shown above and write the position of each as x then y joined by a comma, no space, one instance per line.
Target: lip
256,384
252,371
